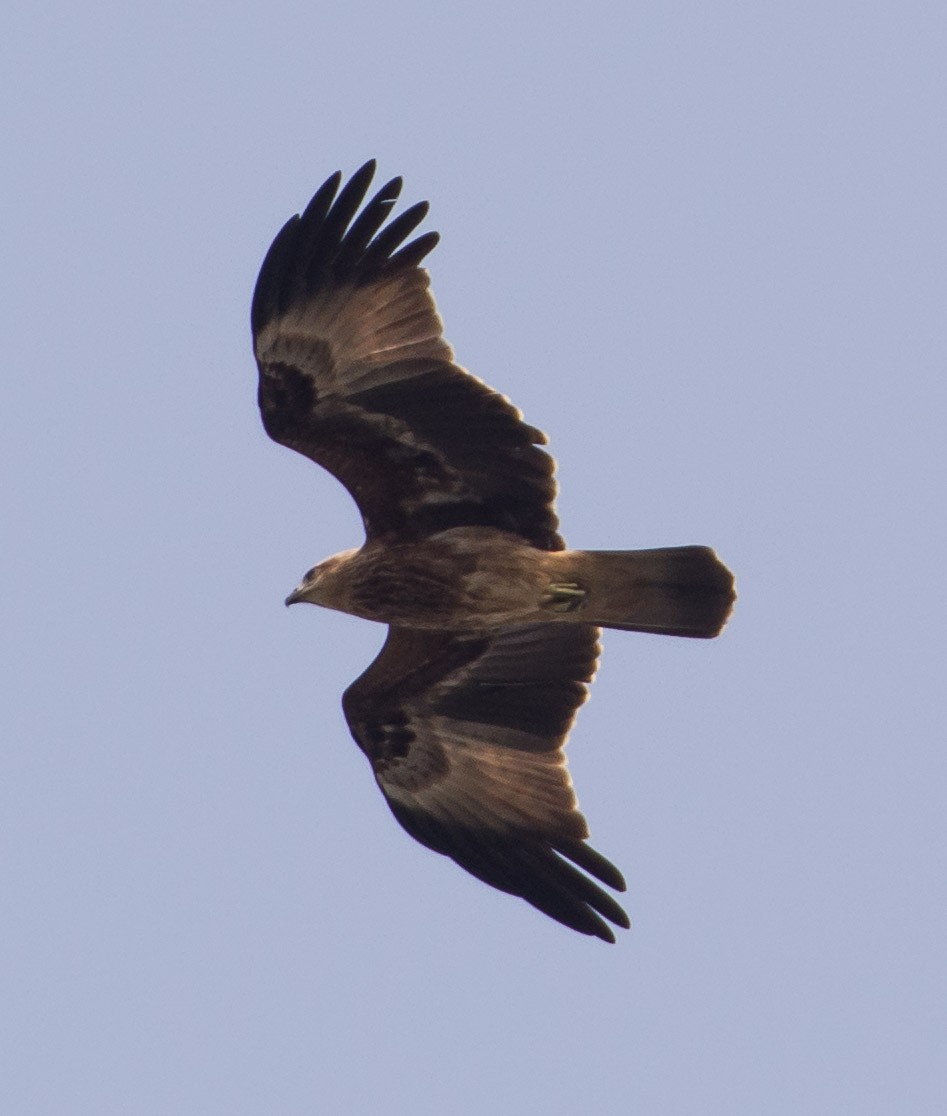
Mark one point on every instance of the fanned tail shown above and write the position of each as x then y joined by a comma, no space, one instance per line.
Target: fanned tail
678,590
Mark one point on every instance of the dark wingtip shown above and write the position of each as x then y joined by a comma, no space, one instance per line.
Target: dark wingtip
366,170
591,861
412,254
527,867
324,195
327,241
392,188
266,294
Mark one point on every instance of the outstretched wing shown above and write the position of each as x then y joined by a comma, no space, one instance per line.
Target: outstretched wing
465,735
354,373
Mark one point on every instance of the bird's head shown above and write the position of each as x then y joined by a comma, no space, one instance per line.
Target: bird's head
324,584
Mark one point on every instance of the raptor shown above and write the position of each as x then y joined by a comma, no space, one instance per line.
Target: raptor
493,624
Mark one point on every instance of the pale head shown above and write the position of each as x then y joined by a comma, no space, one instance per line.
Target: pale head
323,585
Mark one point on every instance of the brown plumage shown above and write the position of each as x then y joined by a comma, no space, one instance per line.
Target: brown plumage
493,624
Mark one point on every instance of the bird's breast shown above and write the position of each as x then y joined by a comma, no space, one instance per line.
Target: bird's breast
453,581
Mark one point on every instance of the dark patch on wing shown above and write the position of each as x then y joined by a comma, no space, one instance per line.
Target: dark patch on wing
390,740
518,690
411,663
422,445
528,708
532,681
287,396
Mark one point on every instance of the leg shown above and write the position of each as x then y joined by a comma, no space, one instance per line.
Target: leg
563,596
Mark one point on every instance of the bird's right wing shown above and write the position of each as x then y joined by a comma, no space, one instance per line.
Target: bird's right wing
465,735
356,375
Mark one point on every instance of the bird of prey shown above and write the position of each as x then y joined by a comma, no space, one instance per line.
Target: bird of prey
493,625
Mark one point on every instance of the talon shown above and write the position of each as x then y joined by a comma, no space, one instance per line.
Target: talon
563,596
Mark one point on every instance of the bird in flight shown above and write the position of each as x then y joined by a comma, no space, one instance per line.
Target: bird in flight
493,625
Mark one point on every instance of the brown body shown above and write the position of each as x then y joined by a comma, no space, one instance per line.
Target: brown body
481,579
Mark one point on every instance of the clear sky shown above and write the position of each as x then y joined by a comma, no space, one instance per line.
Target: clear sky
703,246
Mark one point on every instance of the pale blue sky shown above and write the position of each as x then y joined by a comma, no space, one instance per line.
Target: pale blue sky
701,245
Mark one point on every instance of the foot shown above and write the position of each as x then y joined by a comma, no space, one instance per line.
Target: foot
563,596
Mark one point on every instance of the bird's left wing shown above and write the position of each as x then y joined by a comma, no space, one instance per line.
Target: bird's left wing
465,735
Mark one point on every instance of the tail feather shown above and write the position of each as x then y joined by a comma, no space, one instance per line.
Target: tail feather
679,590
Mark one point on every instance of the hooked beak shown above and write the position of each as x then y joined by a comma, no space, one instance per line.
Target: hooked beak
295,597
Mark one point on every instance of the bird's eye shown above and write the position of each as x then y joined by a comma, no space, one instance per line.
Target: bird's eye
311,574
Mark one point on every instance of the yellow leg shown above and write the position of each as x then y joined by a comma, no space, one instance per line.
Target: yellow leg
563,596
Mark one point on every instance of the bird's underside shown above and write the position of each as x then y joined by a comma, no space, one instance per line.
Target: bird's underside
493,624
475,579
